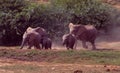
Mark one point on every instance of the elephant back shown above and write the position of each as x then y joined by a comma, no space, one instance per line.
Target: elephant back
41,31
34,36
90,28
77,30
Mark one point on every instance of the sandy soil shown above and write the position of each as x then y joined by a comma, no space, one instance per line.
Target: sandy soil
57,68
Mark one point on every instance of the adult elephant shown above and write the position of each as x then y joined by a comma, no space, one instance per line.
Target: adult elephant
33,36
32,39
85,33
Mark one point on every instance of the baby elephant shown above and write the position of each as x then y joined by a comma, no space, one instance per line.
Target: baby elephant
46,43
69,41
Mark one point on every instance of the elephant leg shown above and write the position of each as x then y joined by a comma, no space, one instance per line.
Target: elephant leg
46,47
71,46
67,47
50,48
24,41
30,44
84,44
37,45
75,45
51,45
29,47
93,45
42,46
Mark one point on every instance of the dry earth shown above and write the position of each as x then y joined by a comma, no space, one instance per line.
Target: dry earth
15,66
103,42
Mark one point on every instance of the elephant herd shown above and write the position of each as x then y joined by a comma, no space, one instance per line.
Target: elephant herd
38,37
35,37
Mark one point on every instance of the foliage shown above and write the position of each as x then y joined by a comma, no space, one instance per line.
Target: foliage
14,15
49,18
86,11
105,57
17,15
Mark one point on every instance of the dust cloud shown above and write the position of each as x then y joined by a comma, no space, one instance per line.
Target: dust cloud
109,40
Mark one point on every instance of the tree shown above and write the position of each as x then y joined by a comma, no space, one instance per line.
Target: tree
84,12
14,16
17,15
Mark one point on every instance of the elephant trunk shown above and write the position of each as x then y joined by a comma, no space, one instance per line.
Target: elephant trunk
23,43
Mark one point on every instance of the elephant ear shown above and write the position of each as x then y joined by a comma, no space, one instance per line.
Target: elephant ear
29,29
80,30
24,35
71,27
89,27
41,31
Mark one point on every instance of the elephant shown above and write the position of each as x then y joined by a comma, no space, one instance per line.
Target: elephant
33,37
85,33
46,43
68,40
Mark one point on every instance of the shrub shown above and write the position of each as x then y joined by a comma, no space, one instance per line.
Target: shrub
14,16
84,12
17,15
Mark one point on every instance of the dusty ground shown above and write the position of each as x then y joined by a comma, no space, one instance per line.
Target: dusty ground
8,65
111,42
15,66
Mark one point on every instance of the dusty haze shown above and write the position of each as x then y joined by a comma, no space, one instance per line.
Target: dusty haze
110,40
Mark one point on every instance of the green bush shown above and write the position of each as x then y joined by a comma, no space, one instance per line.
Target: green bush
14,15
17,15
50,19
85,12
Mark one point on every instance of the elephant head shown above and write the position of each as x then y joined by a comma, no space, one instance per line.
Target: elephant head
32,39
69,41
76,29
85,33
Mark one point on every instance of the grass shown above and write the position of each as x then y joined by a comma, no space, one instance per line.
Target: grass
72,56
29,68
18,68
63,61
